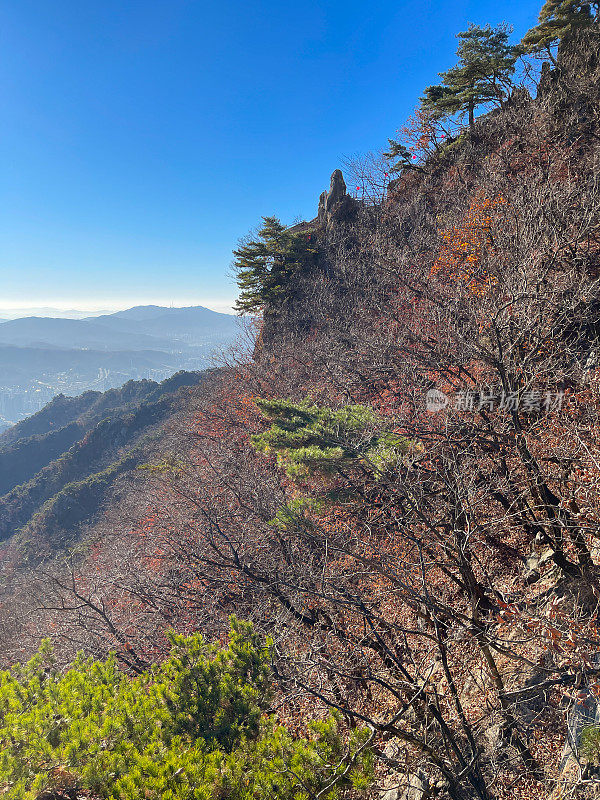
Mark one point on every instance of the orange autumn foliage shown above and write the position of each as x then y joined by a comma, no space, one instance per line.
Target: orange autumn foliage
465,246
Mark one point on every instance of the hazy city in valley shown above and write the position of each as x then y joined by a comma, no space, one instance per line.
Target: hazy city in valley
43,357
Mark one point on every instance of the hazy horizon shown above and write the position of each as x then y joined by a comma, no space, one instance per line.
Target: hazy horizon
79,311
144,139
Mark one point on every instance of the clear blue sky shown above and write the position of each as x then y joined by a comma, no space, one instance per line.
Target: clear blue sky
140,139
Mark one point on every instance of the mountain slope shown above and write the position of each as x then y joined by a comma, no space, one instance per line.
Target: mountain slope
432,572
56,466
87,408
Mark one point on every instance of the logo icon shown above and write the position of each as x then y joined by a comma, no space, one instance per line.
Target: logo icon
435,401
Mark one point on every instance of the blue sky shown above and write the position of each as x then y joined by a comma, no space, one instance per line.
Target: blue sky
141,139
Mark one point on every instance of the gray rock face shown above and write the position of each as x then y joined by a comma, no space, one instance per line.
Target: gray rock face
416,787
337,188
322,214
336,204
575,81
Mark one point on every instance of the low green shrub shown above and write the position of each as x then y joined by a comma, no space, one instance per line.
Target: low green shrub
196,727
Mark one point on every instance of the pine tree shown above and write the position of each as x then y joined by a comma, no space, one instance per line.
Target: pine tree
309,439
482,75
196,727
265,266
557,19
399,156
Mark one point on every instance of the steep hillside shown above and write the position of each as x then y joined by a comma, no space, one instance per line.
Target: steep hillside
401,489
56,466
64,410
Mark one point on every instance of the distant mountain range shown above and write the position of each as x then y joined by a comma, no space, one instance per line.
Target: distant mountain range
41,357
50,311
139,328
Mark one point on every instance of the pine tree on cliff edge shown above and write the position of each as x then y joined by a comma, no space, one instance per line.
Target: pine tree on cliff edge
264,266
557,19
482,75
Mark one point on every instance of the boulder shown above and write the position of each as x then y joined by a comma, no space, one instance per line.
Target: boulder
337,189
414,787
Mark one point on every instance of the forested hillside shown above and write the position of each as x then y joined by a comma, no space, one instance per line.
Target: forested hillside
56,466
400,489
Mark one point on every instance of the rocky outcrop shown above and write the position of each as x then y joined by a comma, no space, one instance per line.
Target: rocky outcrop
415,787
336,205
571,88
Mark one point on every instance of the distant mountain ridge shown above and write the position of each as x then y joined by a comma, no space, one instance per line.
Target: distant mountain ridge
137,328
41,357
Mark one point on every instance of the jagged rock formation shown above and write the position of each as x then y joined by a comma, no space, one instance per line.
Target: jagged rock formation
336,204
571,89
577,56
